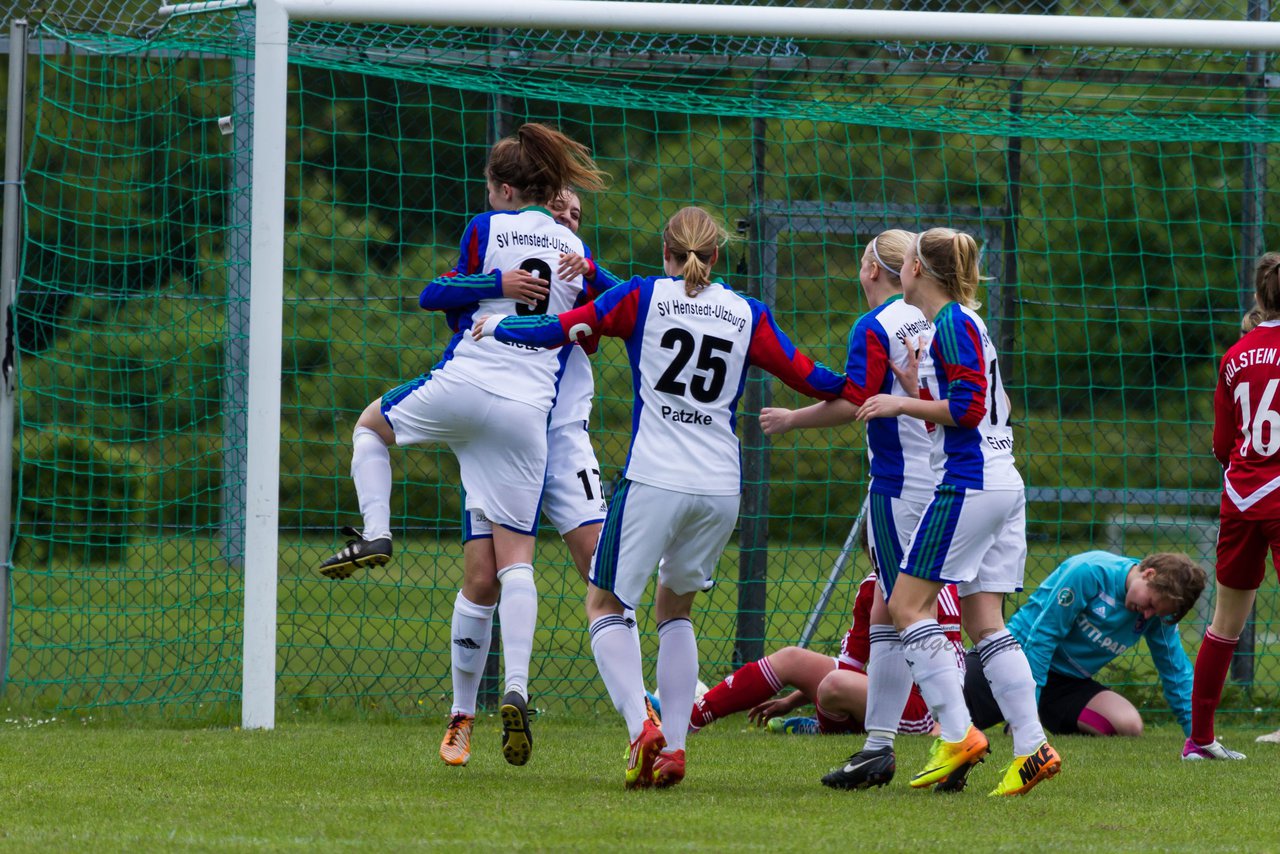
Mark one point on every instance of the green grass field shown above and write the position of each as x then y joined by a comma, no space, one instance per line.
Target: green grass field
364,786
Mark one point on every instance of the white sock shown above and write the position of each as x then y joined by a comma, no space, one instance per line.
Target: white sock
617,656
518,616
371,473
472,631
888,687
629,614
1009,674
932,660
677,678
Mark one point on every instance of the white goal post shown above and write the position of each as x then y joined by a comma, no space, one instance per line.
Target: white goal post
269,168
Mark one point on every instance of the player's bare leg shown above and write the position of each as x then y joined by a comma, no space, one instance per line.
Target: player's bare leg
1230,611
1108,713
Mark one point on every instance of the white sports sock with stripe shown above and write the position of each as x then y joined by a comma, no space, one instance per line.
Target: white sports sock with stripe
1009,674
469,648
888,687
617,655
932,660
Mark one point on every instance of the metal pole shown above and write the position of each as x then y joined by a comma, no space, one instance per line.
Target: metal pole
10,251
1252,217
235,380
801,22
837,572
753,533
266,316
1005,302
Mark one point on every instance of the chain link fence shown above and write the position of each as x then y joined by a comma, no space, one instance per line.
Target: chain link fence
1106,188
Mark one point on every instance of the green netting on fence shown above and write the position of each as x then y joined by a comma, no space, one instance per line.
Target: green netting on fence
1110,191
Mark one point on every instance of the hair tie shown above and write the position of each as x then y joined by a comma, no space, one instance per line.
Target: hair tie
880,261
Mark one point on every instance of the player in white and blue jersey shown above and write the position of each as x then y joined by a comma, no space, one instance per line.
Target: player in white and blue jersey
882,342
480,400
1091,609
690,341
572,497
973,533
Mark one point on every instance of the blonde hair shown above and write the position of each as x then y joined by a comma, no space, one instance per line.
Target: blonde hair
1178,578
1251,319
951,257
692,237
1266,286
540,162
889,249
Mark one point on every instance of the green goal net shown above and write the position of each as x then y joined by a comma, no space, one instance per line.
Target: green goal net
1118,195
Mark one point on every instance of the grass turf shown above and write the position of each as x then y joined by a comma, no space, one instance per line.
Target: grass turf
327,786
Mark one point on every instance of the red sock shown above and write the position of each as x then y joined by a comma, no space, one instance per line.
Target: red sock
1212,663
749,685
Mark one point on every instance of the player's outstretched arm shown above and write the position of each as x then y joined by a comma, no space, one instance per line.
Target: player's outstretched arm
777,707
1176,672
772,350
452,290
775,421
893,405
613,313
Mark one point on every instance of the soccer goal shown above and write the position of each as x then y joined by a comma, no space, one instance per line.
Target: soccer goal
230,215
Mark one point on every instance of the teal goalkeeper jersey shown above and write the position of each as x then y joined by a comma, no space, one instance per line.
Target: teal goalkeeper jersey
1076,622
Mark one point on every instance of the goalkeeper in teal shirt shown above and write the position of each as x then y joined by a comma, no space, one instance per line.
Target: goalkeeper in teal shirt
1092,608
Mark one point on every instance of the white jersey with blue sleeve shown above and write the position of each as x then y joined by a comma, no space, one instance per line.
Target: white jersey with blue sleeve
689,359
899,448
528,239
962,369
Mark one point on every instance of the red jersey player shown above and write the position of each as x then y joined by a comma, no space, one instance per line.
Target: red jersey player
1246,437
837,686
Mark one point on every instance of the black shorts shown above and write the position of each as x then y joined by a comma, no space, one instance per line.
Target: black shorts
1062,699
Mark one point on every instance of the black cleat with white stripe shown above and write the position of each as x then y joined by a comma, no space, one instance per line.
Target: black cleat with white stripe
356,553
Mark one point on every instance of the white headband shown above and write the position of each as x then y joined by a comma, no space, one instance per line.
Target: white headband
880,261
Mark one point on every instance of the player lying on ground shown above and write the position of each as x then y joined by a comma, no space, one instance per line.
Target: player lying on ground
1089,610
837,686
690,341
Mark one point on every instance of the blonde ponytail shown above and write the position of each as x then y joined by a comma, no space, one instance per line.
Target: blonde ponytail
692,237
951,257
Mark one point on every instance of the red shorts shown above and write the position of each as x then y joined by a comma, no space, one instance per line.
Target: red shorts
915,715
1242,550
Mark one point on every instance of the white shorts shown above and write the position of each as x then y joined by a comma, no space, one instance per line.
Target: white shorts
680,534
501,444
974,539
890,522
571,492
